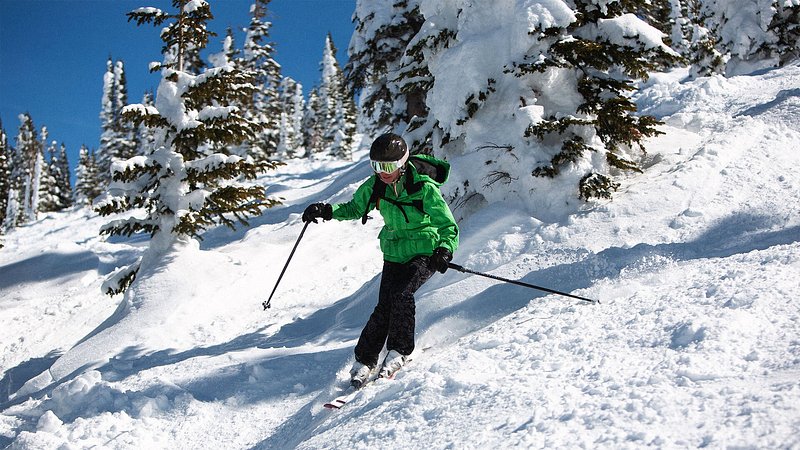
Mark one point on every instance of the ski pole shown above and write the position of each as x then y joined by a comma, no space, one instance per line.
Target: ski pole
519,283
267,304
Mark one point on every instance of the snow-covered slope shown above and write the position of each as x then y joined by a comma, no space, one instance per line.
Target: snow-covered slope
695,343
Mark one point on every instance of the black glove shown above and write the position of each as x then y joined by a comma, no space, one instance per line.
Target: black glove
317,210
441,256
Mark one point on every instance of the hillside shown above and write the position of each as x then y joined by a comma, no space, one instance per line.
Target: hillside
695,261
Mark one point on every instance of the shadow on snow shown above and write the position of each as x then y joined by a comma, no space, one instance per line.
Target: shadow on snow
46,266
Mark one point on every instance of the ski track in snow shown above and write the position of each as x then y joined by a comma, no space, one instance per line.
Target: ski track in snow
695,343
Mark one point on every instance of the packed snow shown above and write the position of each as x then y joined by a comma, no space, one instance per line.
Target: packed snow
694,344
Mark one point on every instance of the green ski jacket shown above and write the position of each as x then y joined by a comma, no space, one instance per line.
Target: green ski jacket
416,218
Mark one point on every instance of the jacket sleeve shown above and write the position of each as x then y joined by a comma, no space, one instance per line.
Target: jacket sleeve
355,208
441,218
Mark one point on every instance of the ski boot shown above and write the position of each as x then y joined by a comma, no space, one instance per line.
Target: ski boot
391,364
359,374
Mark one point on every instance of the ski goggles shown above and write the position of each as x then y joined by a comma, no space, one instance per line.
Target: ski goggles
388,166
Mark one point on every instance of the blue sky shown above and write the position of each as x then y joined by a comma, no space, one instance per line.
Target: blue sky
53,54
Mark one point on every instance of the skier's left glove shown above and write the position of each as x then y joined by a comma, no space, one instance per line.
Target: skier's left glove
440,258
318,210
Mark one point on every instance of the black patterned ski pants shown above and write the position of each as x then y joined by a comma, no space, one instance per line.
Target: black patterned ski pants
392,322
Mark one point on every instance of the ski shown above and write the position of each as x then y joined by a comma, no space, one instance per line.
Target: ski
342,400
352,392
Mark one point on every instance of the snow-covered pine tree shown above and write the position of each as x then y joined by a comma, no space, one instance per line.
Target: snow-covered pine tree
785,25
179,53
12,210
48,190
26,166
749,34
34,181
108,116
611,48
337,108
292,108
313,125
145,136
704,56
668,17
412,83
383,32
554,102
680,30
16,176
190,181
59,171
347,116
126,145
229,53
263,107
5,173
87,183
118,138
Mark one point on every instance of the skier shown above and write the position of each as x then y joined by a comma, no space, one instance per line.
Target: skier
418,238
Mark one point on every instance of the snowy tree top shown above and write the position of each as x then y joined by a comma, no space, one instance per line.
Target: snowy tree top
194,5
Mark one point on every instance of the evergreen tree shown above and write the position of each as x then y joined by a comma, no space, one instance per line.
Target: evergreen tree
229,53
126,145
682,28
180,52
118,140
745,35
34,181
12,209
48,189
413,82
190,182
87,183
337,108
292,109
703,54
668,17
313,125
608,65
109,111
383,35
13,172
263,107
5,172
554,103
785,26
26,167
62,185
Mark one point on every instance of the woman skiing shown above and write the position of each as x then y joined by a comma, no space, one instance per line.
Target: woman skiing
418,238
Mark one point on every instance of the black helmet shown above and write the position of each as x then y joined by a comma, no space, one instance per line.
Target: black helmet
389,147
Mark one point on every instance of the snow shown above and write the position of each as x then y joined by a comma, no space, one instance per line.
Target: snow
216,112
695,344
194,5
620,30
148,10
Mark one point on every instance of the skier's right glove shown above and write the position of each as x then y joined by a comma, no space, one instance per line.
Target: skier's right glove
315,211
440,258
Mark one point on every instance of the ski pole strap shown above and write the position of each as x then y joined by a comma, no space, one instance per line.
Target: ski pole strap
267,304
519,283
